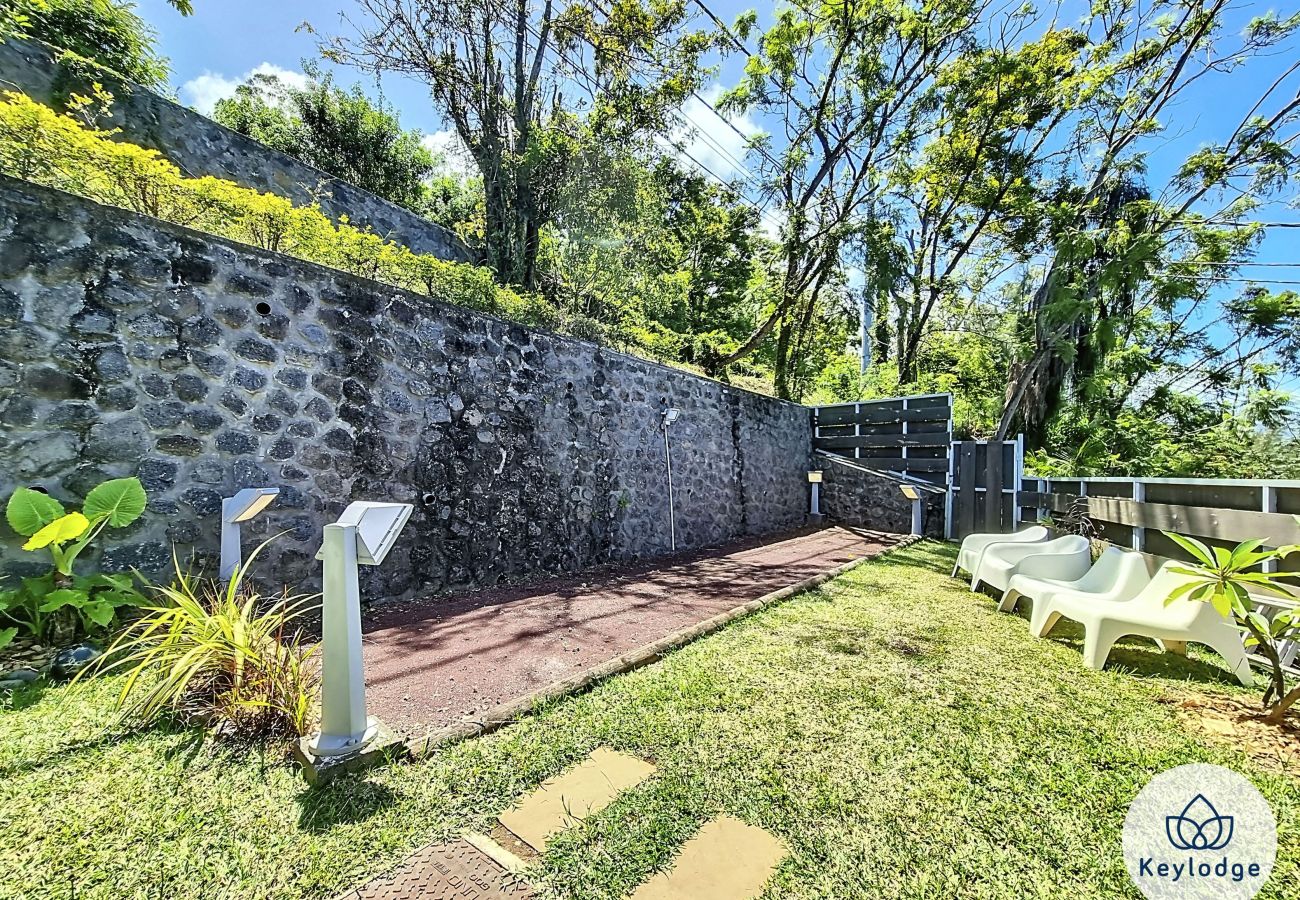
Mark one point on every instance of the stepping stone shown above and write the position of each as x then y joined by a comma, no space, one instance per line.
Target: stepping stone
725,860
452,871
582,791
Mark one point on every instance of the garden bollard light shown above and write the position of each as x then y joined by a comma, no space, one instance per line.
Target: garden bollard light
815,480
363,535
914,495
245,505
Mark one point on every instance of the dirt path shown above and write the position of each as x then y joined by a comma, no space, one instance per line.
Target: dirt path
432,663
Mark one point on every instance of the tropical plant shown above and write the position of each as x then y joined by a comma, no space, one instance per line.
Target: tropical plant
1225,579
220,654
62,601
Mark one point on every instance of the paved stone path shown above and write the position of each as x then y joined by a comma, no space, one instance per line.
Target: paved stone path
432,663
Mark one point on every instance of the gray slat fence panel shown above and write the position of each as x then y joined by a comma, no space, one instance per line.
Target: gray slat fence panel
908,435
993,488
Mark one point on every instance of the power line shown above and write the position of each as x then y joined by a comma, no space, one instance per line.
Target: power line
735,41
593,89
707,104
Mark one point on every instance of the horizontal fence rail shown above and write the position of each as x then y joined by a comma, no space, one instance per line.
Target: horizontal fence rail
1135,513
908,436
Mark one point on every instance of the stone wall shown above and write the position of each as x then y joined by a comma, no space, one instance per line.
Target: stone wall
200,147
131,346
857,496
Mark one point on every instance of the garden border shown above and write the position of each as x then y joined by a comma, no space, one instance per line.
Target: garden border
504,714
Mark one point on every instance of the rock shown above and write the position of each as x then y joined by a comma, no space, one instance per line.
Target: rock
71,660
18,678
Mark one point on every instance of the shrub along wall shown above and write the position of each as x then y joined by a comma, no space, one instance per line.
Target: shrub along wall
131,346
202,147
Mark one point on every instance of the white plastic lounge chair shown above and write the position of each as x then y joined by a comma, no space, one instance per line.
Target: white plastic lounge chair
1069,556
1173,626
973,545
1116,575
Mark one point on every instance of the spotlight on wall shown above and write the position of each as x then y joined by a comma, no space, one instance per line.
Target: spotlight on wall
245,505
914,495
363,535
670,416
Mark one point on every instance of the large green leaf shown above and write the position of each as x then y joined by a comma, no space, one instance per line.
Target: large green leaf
60,531
7,635
29,511
64,597
121,501
1198,551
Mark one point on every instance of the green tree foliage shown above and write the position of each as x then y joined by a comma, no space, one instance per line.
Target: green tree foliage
108,32
341,132
527,85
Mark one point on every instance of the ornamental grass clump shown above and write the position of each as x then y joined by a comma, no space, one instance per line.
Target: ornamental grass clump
222,655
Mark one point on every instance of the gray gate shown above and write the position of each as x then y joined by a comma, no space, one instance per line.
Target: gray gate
983,486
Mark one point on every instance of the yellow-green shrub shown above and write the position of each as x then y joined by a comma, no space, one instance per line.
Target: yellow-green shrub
39,145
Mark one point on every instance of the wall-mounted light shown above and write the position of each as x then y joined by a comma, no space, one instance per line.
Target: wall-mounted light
363,535
914,495
245,505
670,416
815,480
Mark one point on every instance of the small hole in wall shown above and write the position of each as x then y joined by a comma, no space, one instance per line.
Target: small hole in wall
263,308
38,489
428,499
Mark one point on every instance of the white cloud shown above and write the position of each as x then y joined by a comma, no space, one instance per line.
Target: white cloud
456,160
707,142
204,91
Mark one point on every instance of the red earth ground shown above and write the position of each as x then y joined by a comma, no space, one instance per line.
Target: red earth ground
431,663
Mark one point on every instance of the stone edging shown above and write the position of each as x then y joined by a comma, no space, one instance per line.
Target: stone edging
505,713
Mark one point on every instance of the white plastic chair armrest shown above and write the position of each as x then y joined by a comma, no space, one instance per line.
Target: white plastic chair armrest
1058,566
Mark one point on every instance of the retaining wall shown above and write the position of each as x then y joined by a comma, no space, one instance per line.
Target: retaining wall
201,147
132,346
855,496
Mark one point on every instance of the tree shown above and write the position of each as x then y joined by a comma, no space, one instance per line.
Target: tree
848,81
526,84
108,32
1126,260
341,132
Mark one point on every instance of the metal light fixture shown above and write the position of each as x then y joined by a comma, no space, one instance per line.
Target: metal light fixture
914,495
815,480
363,535
245,505
670,416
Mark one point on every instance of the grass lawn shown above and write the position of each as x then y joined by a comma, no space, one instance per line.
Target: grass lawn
902,736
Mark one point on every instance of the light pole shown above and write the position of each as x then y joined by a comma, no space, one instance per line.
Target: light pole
245,505
348,738
670,416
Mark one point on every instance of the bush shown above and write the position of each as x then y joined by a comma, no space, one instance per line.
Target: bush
221,655
61,603
58,151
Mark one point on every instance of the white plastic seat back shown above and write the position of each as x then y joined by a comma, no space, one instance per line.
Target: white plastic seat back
974,545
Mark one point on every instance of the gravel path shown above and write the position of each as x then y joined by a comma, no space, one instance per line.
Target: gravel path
433,662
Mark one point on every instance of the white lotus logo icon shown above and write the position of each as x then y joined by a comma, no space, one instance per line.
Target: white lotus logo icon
1199,826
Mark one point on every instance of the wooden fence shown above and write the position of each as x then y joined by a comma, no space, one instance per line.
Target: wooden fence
905,435
985,483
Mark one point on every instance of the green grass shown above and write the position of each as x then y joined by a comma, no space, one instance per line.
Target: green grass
902,736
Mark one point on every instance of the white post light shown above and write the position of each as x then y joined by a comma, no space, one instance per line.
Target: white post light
670,416
363,535
914,495
815,479
245,505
